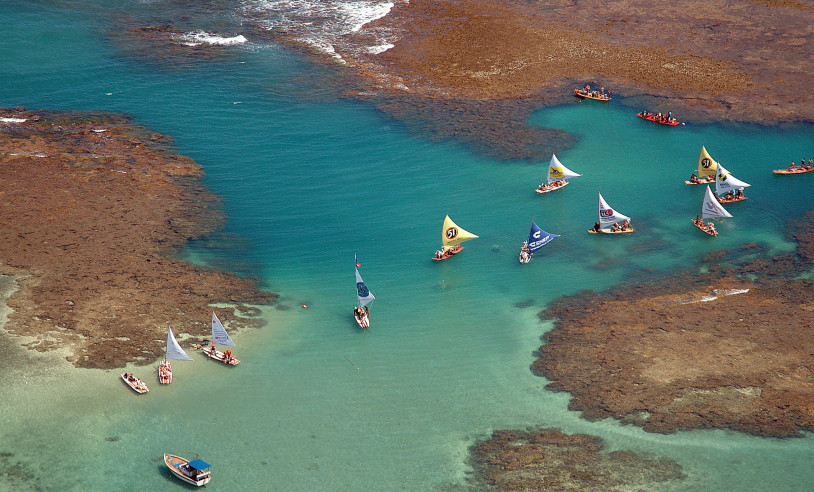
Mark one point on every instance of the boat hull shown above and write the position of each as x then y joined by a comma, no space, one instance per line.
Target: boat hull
591,95
701,181
164,372
730,200
651,117
702,227
363,321
449,253
796,170
219,356
608,231
135,383
548,190
175,463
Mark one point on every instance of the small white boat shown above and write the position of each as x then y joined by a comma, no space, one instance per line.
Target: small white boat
361,313
610,217
451,238
728,188
174,352
195,472
220,337
537,239
135,383
710,209
557,178
706,169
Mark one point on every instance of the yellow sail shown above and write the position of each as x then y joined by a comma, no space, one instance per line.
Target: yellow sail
453,235
706,164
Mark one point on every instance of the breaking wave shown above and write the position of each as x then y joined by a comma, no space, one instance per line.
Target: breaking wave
333,27
199,38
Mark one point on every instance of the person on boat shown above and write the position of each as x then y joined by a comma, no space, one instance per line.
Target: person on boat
803,163
739,194
614,227
626,225
791,166
810,161
693,178
367,311
439,254
596,227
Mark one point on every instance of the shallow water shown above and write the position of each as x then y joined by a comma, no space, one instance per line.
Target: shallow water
308,180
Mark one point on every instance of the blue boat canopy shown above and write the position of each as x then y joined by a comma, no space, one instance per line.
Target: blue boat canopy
199,464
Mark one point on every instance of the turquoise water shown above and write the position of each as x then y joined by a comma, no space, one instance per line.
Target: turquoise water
308,180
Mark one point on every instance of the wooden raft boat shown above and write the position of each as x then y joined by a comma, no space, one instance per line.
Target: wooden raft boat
796,170
219,356
595,95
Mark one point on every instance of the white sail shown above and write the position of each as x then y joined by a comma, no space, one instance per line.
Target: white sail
607,215
219,335
362,293
556,171
725,182
174,350
711,208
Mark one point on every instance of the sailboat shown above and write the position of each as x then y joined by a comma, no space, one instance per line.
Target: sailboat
361,313
537,239
174,352
710,209
558,176
451,237
706,169
220,337
728,188
608,220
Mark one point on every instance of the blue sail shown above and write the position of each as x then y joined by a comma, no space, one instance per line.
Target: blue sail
538,237
362,293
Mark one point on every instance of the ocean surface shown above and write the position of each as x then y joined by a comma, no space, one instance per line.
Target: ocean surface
309,179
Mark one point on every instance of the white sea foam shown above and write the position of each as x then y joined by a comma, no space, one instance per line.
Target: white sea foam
716,293
199,38
380,49
333,27
13,120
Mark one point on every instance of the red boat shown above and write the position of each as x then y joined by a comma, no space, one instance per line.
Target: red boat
655,119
